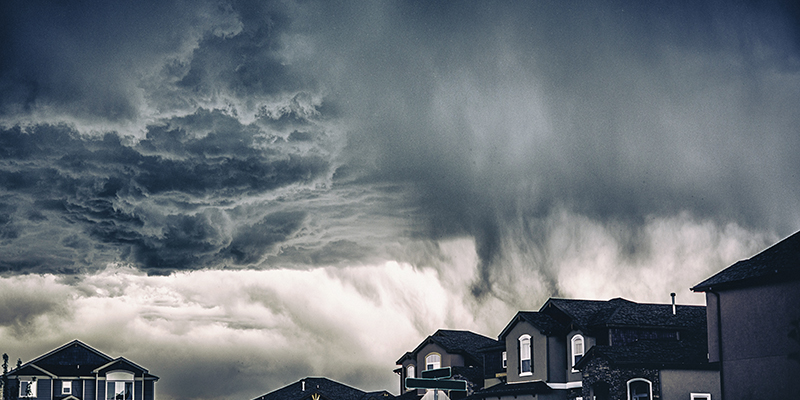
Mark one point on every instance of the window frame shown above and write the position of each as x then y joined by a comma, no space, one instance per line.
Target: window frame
31,384
505,360
434,364
66,387
126,395
649,387
525,338
573,353
700,396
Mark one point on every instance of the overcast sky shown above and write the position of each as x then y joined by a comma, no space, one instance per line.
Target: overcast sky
239,194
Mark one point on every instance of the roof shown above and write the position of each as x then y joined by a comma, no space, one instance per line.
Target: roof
559,315
73,359
544,322
326,389
513,389
466,343
677,354
781,262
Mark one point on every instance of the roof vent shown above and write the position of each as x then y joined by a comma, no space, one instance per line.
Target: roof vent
673,303
302,386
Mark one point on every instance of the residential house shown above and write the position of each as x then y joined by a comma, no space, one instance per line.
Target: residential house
544,350
323,389
754,323
459,350
76,371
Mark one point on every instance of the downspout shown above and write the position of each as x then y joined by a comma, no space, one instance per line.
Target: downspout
719,343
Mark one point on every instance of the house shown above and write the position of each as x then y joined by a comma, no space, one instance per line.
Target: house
574,349
323,389
76,371
753,323
459,350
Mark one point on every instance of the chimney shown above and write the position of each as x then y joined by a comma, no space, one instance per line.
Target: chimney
673,303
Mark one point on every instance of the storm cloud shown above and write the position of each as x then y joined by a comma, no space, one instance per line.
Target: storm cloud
277,175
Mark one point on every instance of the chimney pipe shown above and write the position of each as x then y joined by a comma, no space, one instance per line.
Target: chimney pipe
673,303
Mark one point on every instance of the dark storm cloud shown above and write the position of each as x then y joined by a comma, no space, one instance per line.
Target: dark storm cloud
101,186
502,114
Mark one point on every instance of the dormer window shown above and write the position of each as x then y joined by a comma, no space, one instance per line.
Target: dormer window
525,355
577,349
433,361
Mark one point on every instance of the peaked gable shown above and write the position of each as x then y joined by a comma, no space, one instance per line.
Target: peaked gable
465,343
780,262
316,389
71,359
546,324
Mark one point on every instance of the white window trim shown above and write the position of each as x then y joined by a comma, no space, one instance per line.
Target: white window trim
31,384
436,364
572,349
700,396
530,354
505,360
649,385
66,387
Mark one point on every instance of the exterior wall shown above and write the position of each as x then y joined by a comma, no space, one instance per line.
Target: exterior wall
149,390
89,389
588,342
712,324
44,388
680,384
599,371
556,362
448,360
137,390
538,350
755,341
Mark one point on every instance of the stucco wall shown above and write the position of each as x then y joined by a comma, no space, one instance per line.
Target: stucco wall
538,349
680,384
755,341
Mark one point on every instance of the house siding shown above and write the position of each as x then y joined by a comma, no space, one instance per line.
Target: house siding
598,370
150,390
88,390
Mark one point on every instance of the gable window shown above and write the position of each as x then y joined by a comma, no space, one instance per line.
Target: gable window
433,361
525,355
505,360
66,387
27,387
640,389
577,349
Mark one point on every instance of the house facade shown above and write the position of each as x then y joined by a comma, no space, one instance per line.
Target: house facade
573,349
76,371
459,350
754,323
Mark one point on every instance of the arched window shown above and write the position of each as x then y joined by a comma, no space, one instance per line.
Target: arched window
640,389
410,372
525,355
577,349
433,361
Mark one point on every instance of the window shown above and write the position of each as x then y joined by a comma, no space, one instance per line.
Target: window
118,390
525,355
27,387
433,361
505,360
66,387
701,396
577,349
640,389
410,373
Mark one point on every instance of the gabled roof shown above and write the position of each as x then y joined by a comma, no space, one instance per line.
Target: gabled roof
121,363
675,354
781,262
74,359
543,322
465,343
325,389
